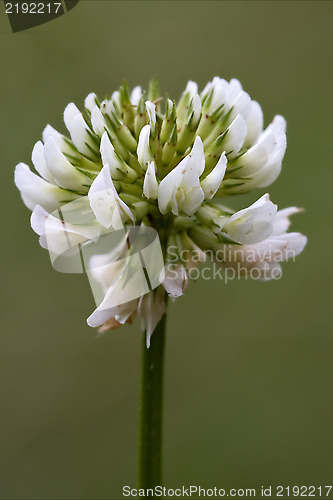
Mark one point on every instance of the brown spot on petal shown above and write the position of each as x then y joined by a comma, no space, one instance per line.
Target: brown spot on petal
112,323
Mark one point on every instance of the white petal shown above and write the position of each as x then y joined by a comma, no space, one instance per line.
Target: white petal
136,95
255,123
235,89
151,111
90,101
191,88
281,222
120,313
220,95
106,107
169,186
128,282
272,168
196,164
49,131
180,190
235,137
64,146
294,244
196,104
65,175
80,136
99,317
38,160
241,105
206,90
150,185
105,202
77,128
99,264
97,121
70,112
175,280
213,180
252,224
143,150
60,236
193,200
37,191
151,309
258,156
110,158
115,101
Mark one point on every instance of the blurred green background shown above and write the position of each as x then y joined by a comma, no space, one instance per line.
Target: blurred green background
249,372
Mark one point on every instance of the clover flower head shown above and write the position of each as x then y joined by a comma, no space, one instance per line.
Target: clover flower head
143,161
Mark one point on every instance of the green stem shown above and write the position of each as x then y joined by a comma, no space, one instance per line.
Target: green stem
151,409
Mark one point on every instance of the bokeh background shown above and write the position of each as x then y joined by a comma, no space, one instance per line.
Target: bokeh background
249,371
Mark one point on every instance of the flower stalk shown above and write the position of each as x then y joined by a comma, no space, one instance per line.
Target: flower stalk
151,409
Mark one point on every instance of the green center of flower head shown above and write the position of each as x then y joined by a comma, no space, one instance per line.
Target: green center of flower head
170,159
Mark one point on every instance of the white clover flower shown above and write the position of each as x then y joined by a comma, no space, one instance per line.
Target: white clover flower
138,159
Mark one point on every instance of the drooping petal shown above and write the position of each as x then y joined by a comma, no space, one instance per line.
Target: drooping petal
151,309
119,314
175,280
